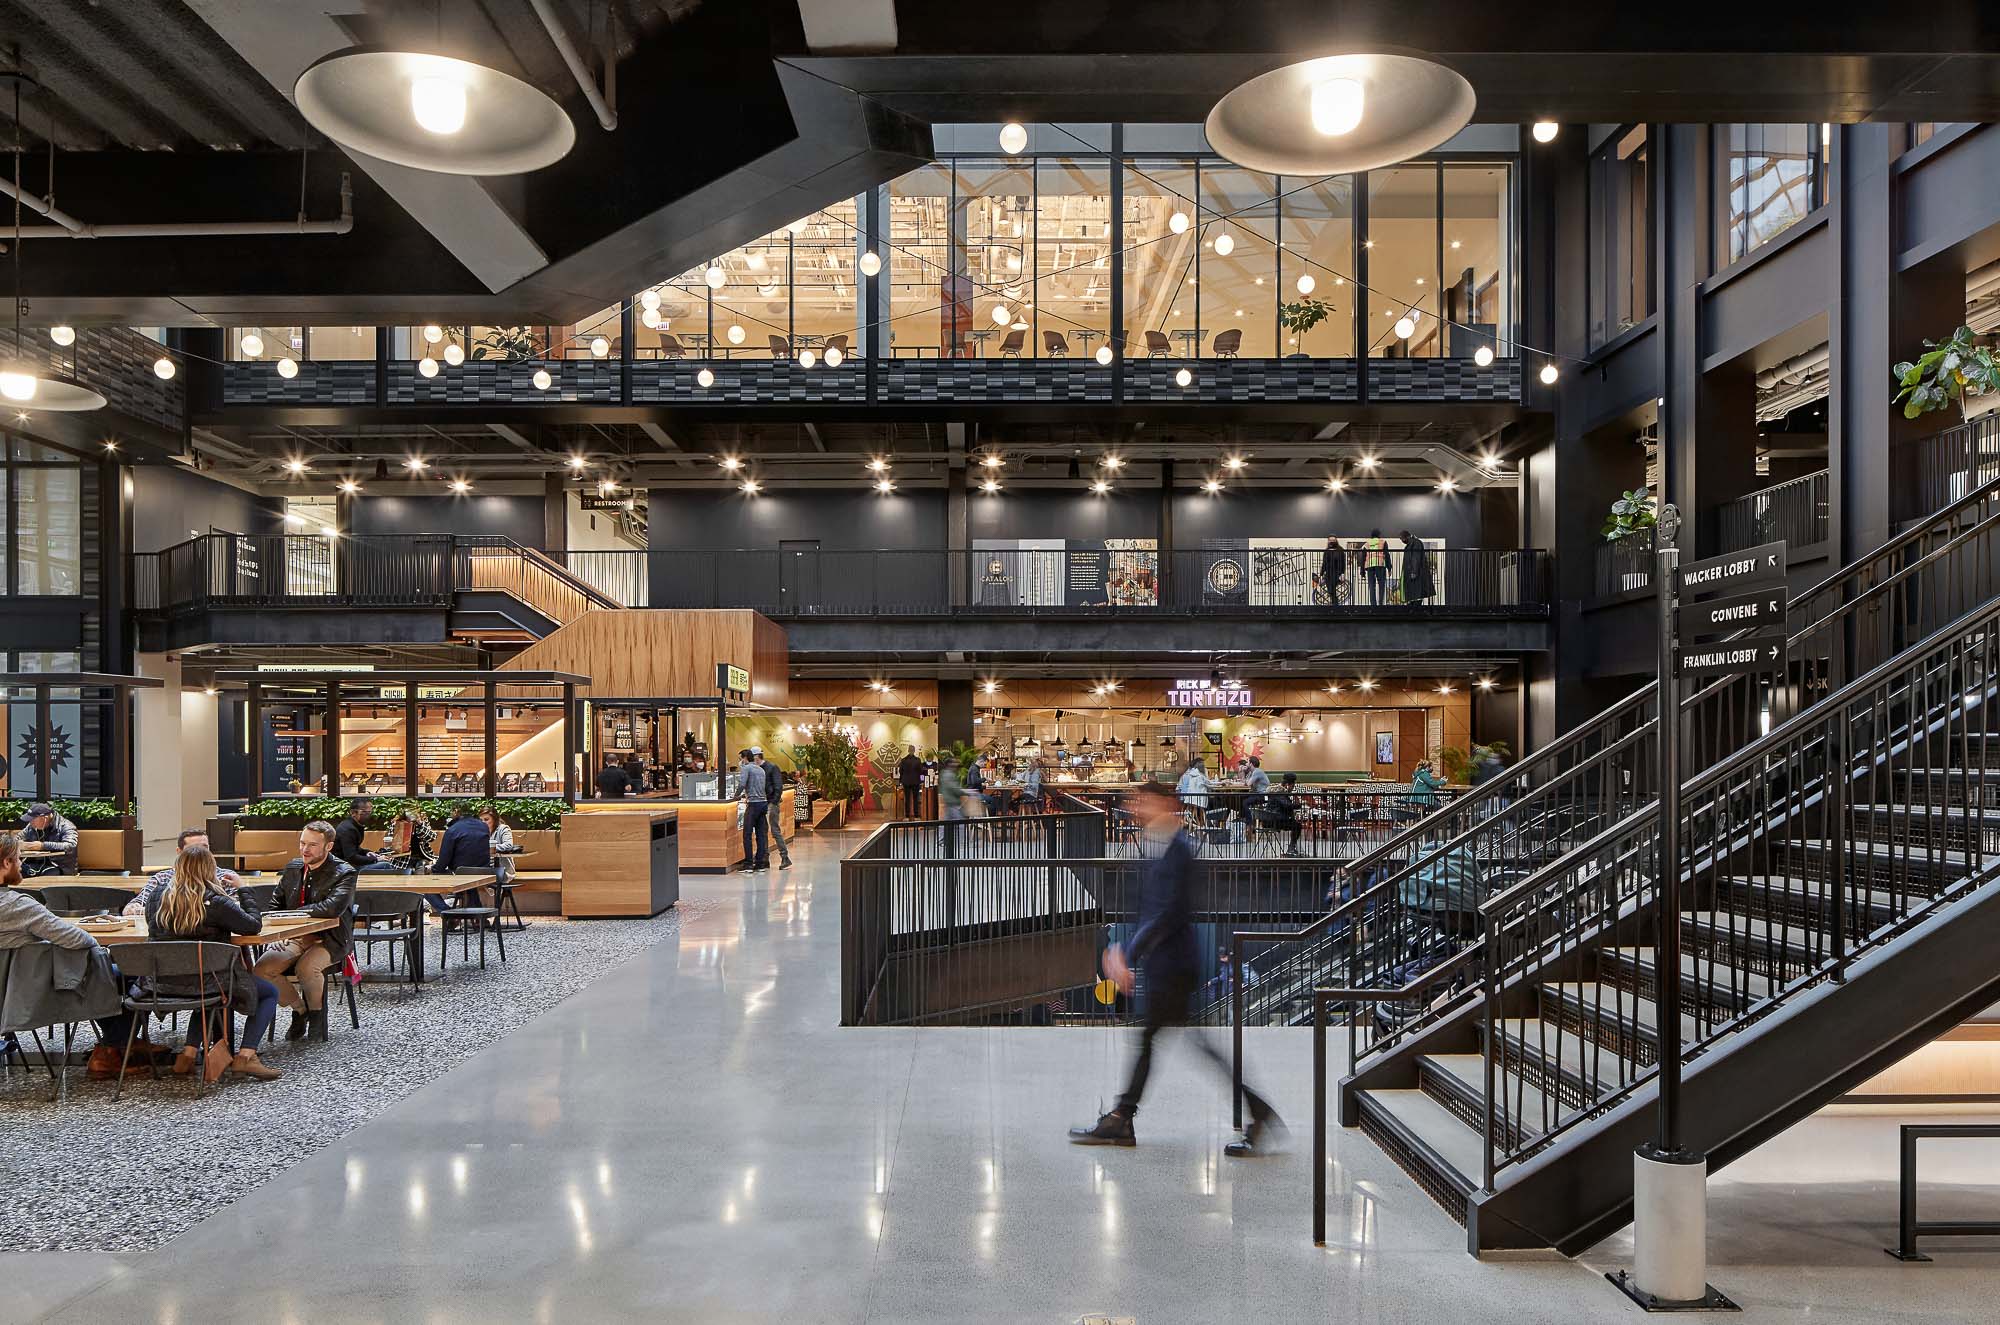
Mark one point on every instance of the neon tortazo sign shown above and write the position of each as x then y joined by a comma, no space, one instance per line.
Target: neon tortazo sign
1204,693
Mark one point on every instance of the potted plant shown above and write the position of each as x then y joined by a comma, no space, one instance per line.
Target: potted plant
1635,513
830,763
505,343
1950,371
1301,317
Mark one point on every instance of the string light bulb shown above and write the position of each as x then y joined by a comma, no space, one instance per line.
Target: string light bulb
1104,355
599,347
1549,374
1545,131
1001,315
1405,328
833,356
251,344
807,358
735,333
427,367
1178,223
649,318
1183,378
63,334
715,276
163,368
705,378
871,263
288,368
1483,356
542,380
1306,283
1013,138
1225,244
454,354
433,333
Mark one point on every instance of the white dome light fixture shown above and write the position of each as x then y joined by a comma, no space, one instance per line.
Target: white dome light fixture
23,383
1178,223
705,377
715,276
427,366
1104,355
807,358
1002,315
1340,113
650,318
1483,356
454,354
649,299
433,333
1405,328
1549,374
871,263
163,368
288,368
1013,138
1224,245
599,347
63,334
833,356
17,383
542,379
433,112
1183,378
251,344
735,333
1307,283
1545,131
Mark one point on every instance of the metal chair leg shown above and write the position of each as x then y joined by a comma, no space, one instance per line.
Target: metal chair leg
499,933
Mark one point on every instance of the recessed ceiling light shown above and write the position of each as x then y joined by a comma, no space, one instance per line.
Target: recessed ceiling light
885,487
577,462
1234,462
1336,485
731,463
1366,462
349,486
990,687
1447,484
1485,683
878,464
991,461
460,485
296,465
1367,684
416,464
1112,463
1545,131
989,486
751,487
1100,487
1211,486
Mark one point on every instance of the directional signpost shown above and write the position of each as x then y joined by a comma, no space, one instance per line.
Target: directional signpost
1721,617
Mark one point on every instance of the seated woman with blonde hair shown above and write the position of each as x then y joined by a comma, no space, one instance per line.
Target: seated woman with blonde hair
194,907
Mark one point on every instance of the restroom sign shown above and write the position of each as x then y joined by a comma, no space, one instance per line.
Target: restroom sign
1204,693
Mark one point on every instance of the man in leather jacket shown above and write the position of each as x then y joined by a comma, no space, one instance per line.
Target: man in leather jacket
320,885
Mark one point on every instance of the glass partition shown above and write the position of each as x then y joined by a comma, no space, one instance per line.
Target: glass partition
1238,289
1161,240
1073,259
267,343
929,310
1317,231
1621,236
1772,177
374,733
992,226
1404,263
333,343
1478,225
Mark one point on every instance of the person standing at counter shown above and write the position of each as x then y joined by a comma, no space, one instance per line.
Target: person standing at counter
611,780
910,775
756,812
774,799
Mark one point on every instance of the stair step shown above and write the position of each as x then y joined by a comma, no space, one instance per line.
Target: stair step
1456,1151
1810,900
1463,1078
1606,1010
1740,988
1590,1067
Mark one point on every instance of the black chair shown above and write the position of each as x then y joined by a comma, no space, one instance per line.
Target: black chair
85,899
264,896
150,962
390,917
504,888
466,919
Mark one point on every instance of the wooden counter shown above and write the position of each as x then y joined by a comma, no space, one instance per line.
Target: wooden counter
710,839
620,859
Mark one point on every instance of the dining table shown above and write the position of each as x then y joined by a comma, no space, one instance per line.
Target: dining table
132,929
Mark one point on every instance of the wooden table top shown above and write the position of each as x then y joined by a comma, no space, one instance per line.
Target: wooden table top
130,883
133,930
445,885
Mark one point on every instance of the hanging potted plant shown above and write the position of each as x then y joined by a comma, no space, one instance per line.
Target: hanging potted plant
1301,317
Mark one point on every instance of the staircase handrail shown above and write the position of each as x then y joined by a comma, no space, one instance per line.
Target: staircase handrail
541,561
1823,727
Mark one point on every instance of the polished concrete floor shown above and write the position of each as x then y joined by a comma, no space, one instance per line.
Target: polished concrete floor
692,1138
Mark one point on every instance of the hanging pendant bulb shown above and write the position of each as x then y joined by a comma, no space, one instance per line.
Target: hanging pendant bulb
705,377
163,368
63,334
427,366
288,368
454,354
871,263
542,379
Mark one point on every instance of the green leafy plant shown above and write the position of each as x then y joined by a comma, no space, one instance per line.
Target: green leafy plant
1303,316
505,343
963,751
830,762
1635,512
1459,765
1949,372
97,812
528,814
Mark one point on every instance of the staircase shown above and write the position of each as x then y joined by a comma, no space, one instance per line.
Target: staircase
506,593
1601,772
1840,907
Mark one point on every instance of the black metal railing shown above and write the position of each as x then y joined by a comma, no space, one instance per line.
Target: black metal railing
1943,467
1793,512
1604,771
873,582
1624,566
1807,848
1338,822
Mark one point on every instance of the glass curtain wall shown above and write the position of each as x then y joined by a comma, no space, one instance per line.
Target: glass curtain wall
1621,230
930,311
1317,230
992,232
1476,235
1773,177
1161,241
1073,259
44,512
1405,263
1238,290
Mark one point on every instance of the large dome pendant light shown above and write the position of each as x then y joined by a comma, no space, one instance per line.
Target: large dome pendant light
23,381
1341,113
433,112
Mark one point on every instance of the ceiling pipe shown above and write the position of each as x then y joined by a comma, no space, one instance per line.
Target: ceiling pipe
69,227
547,14
1794,369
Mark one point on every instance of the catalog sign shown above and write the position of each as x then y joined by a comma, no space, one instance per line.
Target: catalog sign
1208,694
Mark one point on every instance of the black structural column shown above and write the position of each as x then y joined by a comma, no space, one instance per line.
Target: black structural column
954,712
957,533
1683,188
1165,558
555,516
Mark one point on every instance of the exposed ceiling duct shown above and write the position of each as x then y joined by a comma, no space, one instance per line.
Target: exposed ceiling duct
1799,380
71,227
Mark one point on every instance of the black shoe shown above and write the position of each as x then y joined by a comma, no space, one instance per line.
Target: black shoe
787,864
316,1024
1113,1129
1262,1137
297,1027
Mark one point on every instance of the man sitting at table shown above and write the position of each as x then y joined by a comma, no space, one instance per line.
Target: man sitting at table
348,836
466,844
199,837
50,830
321,886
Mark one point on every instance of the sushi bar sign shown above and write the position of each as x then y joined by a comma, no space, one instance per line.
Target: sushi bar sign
1209,694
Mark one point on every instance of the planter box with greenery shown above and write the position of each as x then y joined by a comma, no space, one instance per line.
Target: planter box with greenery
523,813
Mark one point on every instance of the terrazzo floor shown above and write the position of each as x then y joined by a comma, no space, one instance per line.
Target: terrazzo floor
169,1141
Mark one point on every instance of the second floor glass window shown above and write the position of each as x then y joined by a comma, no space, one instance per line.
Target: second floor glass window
1774,176
1621,236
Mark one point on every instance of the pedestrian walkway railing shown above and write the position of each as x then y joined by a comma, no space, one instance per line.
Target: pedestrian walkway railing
963,922
1795,512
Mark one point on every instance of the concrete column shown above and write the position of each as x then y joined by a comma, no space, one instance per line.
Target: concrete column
160,750
201,739
954,712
